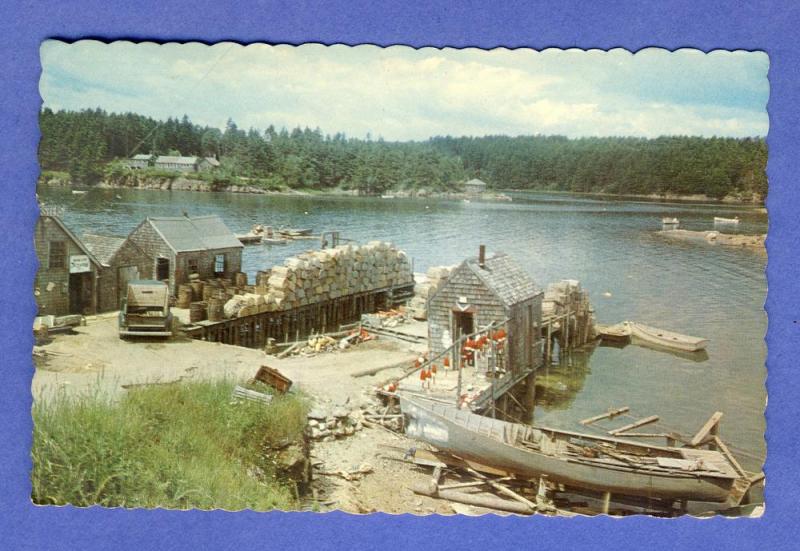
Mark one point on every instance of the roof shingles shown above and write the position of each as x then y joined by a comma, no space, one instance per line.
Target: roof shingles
199,233
505,277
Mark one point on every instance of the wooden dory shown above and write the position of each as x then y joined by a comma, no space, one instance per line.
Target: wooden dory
578,460
667,339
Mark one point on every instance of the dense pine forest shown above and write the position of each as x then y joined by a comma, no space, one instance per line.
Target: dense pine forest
88,145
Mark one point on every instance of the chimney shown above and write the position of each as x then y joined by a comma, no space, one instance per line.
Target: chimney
482,256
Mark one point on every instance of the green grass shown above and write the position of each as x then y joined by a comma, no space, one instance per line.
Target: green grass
181,445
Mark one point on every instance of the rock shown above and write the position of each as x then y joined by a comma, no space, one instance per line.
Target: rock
313,423
329,439
349,431
340,412
358,425
317,414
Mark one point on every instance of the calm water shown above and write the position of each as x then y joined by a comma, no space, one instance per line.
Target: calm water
609,245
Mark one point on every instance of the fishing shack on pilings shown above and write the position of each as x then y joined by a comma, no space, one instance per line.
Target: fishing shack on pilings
486,290
170,249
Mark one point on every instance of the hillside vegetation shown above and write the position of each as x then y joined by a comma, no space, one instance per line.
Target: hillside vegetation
85,144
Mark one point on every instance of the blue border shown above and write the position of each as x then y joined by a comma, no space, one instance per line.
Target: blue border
765,25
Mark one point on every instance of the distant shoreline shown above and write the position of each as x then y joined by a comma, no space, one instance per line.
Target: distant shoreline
182,183
654,197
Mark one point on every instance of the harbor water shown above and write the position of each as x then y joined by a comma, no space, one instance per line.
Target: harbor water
611,246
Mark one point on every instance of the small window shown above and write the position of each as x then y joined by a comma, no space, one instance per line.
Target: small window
58,254
219,264
191,264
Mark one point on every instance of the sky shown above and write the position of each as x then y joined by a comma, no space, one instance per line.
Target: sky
401,93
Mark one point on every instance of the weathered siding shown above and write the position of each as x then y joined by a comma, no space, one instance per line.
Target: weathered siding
52,283
110,291
146,242
523,328
462,282
205,263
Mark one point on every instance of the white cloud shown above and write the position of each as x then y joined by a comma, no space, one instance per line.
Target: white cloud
401,93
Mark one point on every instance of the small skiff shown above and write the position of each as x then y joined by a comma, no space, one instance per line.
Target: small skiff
249,238
295,232
579,460
666,339
670,221
274,241
719,220
617,332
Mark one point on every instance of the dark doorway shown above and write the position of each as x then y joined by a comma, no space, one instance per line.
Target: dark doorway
162,269
80,293
463,323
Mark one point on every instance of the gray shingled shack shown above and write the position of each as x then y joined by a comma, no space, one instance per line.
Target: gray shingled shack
170,249
485,290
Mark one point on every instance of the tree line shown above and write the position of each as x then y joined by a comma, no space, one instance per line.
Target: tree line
86,143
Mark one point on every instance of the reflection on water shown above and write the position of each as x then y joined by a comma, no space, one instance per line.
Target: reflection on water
557,384
609,245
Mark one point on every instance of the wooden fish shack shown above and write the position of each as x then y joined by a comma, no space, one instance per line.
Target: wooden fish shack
173,248
67,279
489,290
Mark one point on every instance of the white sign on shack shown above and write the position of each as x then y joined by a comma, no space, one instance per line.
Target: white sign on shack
79,264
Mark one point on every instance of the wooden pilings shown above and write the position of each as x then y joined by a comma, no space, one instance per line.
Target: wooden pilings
254,330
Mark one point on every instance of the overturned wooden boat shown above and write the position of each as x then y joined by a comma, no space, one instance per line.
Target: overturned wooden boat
720,220
618,332
576,460
274,241
666,339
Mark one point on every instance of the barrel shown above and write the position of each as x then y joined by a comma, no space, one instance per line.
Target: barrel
216,309
197,311
184,296
208,291
241,279
197,290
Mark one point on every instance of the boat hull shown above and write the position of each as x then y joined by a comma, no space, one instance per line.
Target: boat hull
425,424
667,339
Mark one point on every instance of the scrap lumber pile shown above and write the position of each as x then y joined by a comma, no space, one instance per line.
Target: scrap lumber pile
316,344
426,286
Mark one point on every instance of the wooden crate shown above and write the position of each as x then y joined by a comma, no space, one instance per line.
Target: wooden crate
273,378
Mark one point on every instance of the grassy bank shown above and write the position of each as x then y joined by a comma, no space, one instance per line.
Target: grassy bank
175,446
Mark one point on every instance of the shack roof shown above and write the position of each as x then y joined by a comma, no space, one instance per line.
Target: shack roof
198,233
505,278
81,245
177,160
103,247
141,157
212,161
476,183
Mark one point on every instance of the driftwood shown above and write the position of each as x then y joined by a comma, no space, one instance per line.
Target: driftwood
290,349
709,428
610,414
489,502
374,370
635,424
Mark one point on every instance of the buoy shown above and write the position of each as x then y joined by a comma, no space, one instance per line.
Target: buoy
607,294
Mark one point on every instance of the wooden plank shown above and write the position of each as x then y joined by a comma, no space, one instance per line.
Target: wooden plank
635,424
644,434
489,502
710,426
503,490
240,392
729,456
610,414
